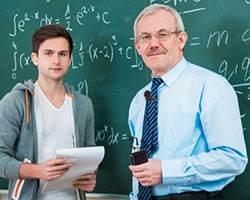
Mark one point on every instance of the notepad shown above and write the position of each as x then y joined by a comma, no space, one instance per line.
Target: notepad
84,160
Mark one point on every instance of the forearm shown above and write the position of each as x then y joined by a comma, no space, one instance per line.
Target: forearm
218,164
9,167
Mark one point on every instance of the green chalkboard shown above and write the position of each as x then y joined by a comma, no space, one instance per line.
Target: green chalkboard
107,68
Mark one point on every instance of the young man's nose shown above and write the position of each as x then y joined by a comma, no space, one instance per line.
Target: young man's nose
56,58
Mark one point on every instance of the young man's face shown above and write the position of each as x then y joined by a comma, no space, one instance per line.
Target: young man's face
160,53
53,59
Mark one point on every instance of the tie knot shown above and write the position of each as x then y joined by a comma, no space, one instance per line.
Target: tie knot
157,82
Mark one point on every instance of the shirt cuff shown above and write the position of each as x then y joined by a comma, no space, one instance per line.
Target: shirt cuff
132,196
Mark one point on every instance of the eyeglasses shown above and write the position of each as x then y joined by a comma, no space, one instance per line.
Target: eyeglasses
161,36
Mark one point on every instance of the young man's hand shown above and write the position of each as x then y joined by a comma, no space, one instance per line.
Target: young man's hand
86,183
52,169
47,171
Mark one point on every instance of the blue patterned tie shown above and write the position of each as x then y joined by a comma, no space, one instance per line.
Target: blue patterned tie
150,131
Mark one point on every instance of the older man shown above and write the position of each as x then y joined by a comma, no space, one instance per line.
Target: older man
187,118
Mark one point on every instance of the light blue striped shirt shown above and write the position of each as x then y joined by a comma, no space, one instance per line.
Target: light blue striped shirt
201,142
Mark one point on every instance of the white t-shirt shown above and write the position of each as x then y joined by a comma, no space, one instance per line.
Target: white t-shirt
55,129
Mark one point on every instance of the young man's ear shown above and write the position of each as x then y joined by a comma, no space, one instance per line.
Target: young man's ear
34,58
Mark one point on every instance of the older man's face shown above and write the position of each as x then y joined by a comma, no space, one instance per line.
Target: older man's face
165,48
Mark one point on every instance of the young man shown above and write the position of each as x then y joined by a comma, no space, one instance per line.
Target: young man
190,126
36,118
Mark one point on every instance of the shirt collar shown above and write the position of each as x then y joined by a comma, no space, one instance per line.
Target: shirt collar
171,76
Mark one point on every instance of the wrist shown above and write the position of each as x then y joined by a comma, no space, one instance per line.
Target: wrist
29,171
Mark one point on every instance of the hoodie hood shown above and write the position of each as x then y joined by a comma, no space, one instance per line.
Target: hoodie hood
29,85
28,88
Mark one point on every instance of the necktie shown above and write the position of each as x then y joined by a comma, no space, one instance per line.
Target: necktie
150,131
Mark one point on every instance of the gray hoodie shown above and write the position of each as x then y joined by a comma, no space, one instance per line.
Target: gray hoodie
18,134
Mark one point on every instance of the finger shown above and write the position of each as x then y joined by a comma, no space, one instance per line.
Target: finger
88,176
53,175
55,161
145,181
63,167
141,174
87,188
50,178
59,161
55,172
146,184
85,182
131,167
136,168
83,185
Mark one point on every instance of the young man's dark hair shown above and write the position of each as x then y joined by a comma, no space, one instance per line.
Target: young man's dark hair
47,32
